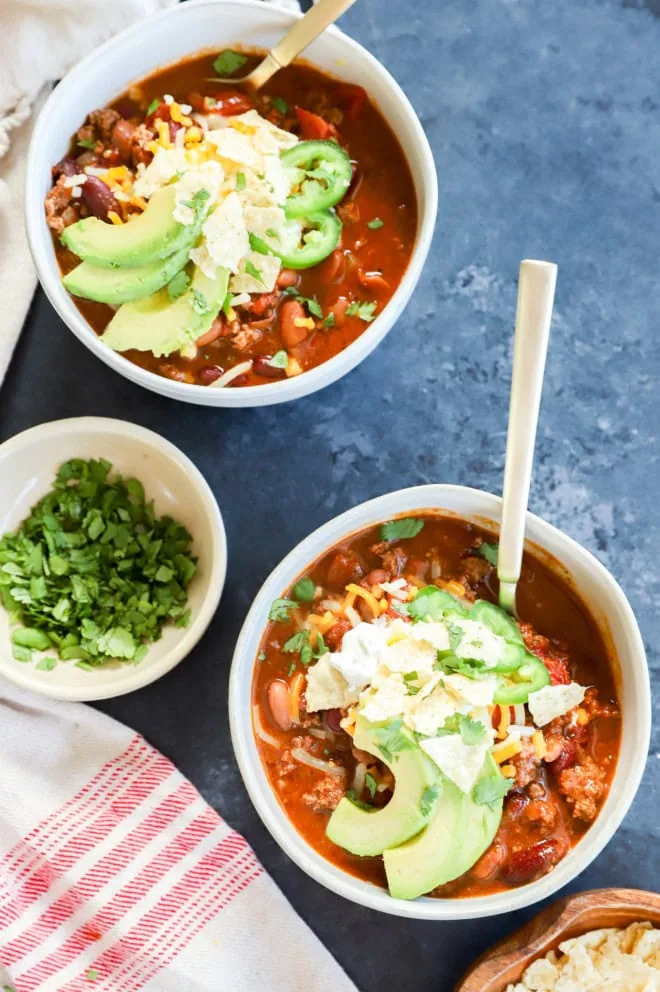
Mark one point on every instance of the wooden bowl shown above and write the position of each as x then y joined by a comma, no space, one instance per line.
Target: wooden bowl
570,917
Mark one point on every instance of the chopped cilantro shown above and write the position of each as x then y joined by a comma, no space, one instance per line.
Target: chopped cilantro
200,304
93,571
299,643
226,306
450,664
365,311
397,530
390,740
280,360
292,668
352,795
228,62
375,223
489,552
312,304
472,731
253,271
280,104
371,784
47,664
399,607
259,245
279,610
154,105
490,790
314,307
177,286
303,590
240,182
411,677
330,320
429,796
320,648
87,143
272,233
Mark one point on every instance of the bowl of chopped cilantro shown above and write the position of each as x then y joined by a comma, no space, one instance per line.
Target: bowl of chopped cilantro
112,558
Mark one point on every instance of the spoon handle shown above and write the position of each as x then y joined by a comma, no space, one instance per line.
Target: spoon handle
302,34
536,292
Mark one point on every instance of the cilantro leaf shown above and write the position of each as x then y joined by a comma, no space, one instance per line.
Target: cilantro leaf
280,104
371,784
489,552
154,105
472,731
450,664
391,740
429,796
200,304
259,245
46,664
279,610
241,182
303,590
314,307
365,311
177,286
375,223
253,271
489,791
272,233
87,143
397,530
299,643
330,320
351,794
280,360
228,61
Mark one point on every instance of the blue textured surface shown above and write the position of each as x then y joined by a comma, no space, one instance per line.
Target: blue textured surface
544,122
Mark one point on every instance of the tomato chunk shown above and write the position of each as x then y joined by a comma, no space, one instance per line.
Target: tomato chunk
351,99
312,126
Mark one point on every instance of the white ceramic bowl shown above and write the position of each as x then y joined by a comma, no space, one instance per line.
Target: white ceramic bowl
28,464
609,607
163,39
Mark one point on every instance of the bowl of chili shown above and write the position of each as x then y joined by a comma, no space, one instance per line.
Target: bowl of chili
562,779
224,250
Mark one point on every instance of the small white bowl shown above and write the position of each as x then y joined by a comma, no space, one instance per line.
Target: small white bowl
169,36
611,610
28,464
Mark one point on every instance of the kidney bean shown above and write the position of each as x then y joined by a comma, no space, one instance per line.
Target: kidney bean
345,567
231,103
377,576
374,281
287,277
196,101
292,334
335,635
214,332
208,374
67,167
537,859
339,310
261,366
98,197
278,703
489,862
417,567
333,720
565,758
514,804
332,268
122,137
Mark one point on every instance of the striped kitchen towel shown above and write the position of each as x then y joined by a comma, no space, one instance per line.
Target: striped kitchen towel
116,876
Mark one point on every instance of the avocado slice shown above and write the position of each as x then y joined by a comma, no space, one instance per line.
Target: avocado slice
160,325
117,286
454,840
152,235
414,799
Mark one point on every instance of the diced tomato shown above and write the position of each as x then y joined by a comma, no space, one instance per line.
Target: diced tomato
161,113
558,672
196,101
351,99
314,127
230,103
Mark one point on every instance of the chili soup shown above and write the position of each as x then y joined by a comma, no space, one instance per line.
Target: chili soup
416,735
219,239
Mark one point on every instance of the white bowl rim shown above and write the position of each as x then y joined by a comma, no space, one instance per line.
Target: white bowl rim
137,676
274,818
40,245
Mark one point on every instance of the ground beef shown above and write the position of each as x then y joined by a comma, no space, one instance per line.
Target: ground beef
60,209
542,813
86,135
140,141
344,567
326,795
555,661
246,337
526,763
103,122
595,709
394,559
335,635
583,787
475,571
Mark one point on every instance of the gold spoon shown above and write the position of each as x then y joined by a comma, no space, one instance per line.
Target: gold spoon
536,293
301,34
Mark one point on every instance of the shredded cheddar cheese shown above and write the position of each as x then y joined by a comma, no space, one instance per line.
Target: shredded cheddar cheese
507,749
505,721
114,217
369,599
508,771
304,322
538,740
